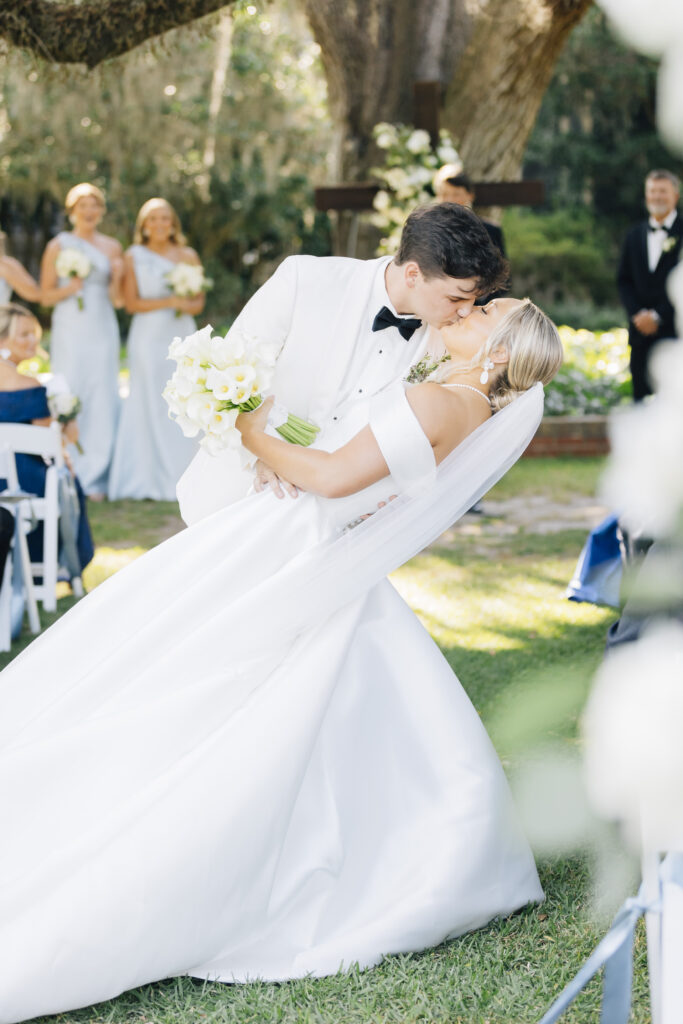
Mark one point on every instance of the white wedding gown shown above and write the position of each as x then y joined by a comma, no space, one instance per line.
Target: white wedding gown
221,764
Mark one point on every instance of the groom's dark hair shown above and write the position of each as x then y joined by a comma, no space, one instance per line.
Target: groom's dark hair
448,240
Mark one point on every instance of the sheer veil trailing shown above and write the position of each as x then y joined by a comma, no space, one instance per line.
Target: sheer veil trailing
336,571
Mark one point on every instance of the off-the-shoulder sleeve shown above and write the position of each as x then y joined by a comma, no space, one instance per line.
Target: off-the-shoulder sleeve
23,406
406,448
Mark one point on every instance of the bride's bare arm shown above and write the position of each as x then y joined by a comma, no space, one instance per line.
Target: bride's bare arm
360,462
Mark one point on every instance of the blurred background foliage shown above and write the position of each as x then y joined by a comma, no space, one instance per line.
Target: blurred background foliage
593,143
240,176
229,121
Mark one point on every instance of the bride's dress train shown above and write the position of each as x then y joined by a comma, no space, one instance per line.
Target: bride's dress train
192,782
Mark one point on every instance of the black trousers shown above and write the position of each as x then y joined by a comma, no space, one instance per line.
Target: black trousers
6,534
641,349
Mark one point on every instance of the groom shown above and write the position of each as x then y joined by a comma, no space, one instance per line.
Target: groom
347,328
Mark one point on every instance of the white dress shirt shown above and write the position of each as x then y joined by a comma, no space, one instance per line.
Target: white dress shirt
657,238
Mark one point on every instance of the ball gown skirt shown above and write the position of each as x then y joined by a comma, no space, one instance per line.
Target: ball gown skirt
186,788
151,453
84,347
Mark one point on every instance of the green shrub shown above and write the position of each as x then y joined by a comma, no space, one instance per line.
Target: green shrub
594,377
561,258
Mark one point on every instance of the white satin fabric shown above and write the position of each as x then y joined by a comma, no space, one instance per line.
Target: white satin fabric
251,769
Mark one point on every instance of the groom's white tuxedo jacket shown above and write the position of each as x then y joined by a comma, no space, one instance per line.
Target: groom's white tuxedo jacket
320,311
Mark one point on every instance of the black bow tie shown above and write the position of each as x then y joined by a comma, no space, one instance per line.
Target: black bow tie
661,227
406,325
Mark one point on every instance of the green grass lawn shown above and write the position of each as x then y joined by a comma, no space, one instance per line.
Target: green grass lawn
494,602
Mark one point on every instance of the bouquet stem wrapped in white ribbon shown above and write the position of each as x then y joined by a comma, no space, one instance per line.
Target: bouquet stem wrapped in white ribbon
73,263
218,378
187,280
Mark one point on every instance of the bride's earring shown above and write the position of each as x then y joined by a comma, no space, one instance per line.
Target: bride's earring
488,365
5,354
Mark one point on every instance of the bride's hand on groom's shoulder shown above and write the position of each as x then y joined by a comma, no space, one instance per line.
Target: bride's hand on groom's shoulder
265,477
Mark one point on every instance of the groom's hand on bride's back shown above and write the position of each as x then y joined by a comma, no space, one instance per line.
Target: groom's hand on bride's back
265,477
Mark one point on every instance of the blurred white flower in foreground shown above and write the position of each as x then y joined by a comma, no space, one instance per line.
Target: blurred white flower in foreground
633,726
643,480
656,28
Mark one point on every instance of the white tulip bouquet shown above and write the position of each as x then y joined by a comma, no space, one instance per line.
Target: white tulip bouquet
218,378
73,263
187,280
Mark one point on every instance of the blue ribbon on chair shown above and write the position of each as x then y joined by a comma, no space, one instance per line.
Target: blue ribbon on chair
615,953
69,516
18,598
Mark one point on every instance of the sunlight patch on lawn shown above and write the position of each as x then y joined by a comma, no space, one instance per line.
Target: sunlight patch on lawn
108,561
490,609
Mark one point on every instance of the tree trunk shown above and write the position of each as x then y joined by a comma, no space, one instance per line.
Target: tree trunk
373,51
493,58
493,99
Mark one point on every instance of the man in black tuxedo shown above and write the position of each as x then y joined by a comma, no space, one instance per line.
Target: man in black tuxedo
651,250
452,185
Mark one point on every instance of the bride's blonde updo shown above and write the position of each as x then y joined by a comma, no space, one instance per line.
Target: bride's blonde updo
534,350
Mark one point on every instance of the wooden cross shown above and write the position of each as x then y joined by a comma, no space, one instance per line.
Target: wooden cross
357,197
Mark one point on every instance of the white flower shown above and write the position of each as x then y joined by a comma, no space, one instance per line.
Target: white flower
63,404
419,141
447,155
396,178
72,263
193,346
633,724
201,407
381,200
232,384
643,479
187,279
386,135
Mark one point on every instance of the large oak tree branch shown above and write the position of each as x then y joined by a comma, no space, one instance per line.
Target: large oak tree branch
90,32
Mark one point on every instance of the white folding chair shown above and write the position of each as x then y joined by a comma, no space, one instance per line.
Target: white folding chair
47,443
12,500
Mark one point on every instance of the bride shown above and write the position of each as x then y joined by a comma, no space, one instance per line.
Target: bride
260,765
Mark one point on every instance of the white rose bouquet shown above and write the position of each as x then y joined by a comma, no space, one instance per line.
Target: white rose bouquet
187,280
73,263
64,408
218,378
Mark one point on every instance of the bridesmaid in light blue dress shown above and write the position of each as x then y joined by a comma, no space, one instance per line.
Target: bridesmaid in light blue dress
84,344
151,453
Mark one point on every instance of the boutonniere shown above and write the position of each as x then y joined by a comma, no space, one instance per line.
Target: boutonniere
420,371
669,243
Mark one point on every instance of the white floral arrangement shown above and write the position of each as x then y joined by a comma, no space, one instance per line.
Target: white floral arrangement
406,176
64,406
216,379
187,280
73,263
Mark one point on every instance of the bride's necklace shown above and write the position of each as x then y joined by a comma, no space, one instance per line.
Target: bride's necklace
469,388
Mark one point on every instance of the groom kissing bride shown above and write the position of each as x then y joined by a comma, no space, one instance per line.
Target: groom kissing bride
349,328
242,757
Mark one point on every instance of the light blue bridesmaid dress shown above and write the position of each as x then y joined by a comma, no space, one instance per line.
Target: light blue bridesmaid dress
5,292
84,347
151,451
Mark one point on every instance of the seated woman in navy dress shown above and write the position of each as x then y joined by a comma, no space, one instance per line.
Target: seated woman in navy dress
24,400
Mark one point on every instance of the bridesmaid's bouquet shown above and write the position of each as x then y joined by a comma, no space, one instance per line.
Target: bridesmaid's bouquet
218,378
73,263
187,280
64,408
